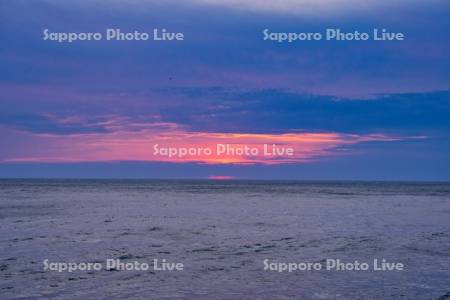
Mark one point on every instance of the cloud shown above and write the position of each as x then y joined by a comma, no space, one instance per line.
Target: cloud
222,49
308,7
131,141
224,109
281,110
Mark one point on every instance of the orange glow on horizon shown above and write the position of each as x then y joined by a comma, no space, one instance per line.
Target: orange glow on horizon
221,177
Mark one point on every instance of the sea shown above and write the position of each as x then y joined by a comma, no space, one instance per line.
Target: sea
229,239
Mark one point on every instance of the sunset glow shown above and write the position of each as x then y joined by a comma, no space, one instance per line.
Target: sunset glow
125,141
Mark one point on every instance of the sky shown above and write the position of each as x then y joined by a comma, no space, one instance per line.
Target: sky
350,110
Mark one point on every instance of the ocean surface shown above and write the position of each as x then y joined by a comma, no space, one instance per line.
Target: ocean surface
222,231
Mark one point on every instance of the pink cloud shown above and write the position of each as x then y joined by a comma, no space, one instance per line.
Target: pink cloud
126,140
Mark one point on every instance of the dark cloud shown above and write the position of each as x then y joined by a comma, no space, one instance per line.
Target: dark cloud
235,110
280,110
225,78
224,47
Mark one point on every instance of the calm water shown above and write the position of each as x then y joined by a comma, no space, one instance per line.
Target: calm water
222,232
